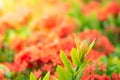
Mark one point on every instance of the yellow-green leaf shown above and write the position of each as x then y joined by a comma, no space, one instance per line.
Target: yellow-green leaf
62,74
32,77
66,62
47,76
90,46
75,57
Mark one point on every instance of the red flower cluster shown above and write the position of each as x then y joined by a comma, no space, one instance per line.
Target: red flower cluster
58,23
92,72
96,71
115,76
102,13
44,54
110,8
42,50
90,7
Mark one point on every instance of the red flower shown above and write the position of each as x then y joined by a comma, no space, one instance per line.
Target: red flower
115,76
51,20
17,44
94,54
58,24
37,73
2,28
104,77
90,7
65,28
92,72
102,14
110,8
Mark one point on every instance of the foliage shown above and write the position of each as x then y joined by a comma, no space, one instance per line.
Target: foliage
78,59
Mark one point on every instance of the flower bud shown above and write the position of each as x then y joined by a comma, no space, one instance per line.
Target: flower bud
84,46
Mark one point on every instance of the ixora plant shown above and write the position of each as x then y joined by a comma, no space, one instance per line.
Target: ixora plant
78,56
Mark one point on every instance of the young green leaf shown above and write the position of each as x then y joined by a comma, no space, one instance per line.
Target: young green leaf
62,73
66,62
79,75
47,76
5,71
40,78
76,40
55,79
75,57
3,67
8,74
78,47
90,46
32,77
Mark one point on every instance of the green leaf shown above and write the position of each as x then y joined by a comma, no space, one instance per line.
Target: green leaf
78,47
76,41
23,32
32,77
62,74
47,76
6,54
55,79
93,22
81,70
3,67
111,69
79,75
90,46
66,62
40,78
118,20
20,77
104,59
10,34
75,57
111,19
8,74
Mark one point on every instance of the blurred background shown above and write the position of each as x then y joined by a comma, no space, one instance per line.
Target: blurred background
33,31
